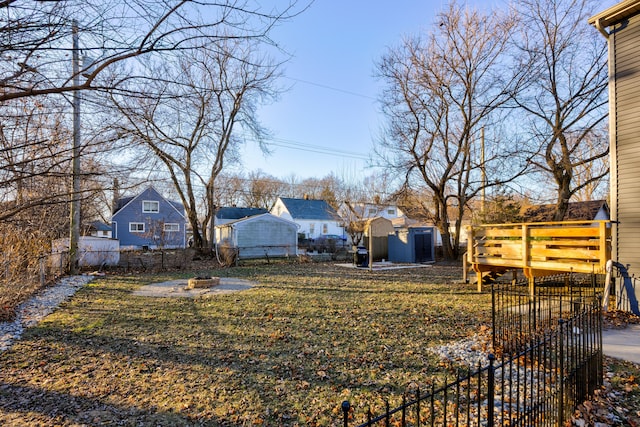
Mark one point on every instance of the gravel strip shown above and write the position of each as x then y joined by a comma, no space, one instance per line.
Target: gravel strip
30,312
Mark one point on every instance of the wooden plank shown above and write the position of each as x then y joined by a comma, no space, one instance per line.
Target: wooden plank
565,232
497,262
506,251
567,242
497,243
573,253
567,267
498,232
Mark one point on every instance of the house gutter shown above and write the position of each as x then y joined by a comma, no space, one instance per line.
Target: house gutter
614,15
601,28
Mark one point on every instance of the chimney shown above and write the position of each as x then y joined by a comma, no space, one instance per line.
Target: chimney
116,195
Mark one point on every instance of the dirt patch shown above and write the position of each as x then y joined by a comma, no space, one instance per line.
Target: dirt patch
178,288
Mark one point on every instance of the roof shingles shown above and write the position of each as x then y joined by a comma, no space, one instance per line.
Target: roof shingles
310,209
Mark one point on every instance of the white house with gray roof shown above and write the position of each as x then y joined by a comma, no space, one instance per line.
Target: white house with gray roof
315,218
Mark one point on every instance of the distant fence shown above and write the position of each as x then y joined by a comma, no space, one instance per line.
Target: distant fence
538,383
24,269
127,260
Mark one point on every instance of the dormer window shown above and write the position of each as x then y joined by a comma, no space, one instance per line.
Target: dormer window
150,206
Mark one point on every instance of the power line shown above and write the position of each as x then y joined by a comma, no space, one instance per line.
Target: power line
295,145
348,92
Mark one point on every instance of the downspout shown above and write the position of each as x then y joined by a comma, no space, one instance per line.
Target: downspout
600,28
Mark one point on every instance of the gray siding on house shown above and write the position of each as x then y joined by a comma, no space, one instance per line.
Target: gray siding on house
625,66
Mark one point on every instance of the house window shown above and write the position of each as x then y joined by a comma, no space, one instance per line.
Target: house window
391,211
312,229
136,227
373,211
150,206
325,228
170,226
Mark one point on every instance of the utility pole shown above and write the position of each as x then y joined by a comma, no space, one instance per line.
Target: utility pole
483,171
74,235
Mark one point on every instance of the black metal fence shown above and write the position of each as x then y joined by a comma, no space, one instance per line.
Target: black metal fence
518,314
537,384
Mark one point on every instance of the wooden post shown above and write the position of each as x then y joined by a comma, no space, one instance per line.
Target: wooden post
526,255
607,286
465,267
468,256
370,246
604,249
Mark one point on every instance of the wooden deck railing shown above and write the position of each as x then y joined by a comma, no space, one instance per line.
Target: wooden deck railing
540,248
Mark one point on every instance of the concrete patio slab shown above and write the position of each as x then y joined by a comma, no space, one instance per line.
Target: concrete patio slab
178,288
622,343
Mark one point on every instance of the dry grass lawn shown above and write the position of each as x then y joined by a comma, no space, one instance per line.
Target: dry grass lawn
286,352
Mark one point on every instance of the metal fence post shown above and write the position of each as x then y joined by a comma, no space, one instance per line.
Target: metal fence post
493,314
561,373
491,390
346,406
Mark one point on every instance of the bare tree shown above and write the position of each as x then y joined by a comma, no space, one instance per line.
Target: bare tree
565,97
38,75
591,179
191,121
441,91
262,190
230,189
35,38
34,155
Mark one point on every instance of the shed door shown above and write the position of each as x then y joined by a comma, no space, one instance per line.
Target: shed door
423,246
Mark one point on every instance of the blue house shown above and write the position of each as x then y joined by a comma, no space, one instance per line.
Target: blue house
149,221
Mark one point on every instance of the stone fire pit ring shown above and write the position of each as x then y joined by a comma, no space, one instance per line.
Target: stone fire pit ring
202,282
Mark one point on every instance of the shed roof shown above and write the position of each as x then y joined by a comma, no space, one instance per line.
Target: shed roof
267,216
233,212
310,209
100,226
578,211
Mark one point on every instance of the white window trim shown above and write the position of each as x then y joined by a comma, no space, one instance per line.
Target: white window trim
157,204
171,227
131,230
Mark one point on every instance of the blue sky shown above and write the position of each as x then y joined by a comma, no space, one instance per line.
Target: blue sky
328,119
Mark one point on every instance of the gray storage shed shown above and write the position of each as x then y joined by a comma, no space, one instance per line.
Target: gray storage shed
261,236
413,244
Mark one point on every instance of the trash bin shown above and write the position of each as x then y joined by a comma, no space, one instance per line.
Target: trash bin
361,257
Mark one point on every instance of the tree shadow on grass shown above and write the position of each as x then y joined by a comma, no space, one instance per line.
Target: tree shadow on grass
29,405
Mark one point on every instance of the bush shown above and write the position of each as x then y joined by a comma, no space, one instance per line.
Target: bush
228,255
23,269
